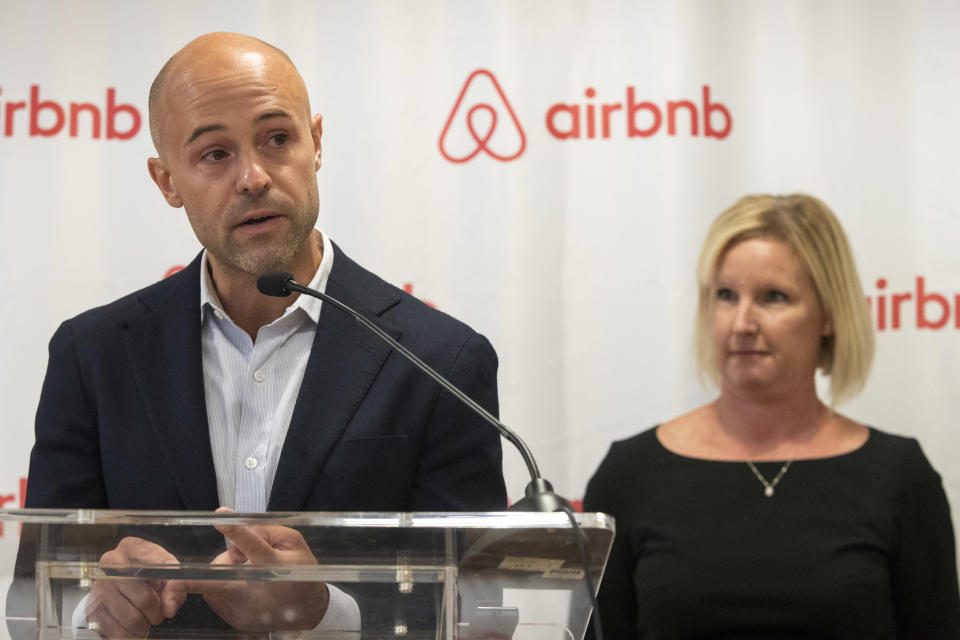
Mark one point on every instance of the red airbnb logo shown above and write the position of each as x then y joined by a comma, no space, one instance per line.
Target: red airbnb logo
480,122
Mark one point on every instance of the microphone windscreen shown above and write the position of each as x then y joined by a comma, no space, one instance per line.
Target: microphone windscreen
274,283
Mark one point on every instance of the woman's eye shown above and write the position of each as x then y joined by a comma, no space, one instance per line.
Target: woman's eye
725,294
775,296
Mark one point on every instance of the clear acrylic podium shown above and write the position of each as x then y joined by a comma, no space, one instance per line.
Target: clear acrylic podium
466,576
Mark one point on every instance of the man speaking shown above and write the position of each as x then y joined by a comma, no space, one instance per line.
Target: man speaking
198,392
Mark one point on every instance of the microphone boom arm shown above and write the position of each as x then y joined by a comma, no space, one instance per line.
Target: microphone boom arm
504,430
538,494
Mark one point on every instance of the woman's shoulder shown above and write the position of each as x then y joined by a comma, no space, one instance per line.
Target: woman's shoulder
628,450
901,455
619,468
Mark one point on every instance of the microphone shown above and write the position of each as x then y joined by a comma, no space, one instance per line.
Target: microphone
538,495
274,284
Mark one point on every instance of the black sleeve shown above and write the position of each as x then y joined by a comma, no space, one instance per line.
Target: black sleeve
617,600
65,470
924,571
460,464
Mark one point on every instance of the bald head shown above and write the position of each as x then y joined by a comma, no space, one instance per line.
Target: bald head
209,56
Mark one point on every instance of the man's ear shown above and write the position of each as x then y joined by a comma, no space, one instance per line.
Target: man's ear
316,131
164,180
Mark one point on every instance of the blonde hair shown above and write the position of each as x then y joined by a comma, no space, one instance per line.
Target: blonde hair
812,231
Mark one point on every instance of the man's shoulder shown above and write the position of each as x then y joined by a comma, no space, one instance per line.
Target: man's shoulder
367,292
134,305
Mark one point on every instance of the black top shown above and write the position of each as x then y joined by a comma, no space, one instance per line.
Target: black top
853,546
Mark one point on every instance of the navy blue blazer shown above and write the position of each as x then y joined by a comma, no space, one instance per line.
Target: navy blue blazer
122,420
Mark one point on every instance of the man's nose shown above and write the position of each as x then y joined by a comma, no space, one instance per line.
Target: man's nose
252,177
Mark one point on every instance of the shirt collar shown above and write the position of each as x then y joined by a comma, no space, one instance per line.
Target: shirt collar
210,301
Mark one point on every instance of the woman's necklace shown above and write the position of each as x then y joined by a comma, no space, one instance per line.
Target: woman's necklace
768,486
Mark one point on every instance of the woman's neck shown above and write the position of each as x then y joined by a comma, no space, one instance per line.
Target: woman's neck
770,428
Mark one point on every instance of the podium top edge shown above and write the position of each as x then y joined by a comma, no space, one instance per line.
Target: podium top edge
397,520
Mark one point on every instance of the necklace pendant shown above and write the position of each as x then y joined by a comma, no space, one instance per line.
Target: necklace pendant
768,486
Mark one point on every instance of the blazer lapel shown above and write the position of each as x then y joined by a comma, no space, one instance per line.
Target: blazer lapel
343,363
165,356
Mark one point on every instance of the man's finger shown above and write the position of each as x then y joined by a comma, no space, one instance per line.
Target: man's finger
173,593
204,587
142,599
176,587
233,555
107,626
110,607
283,538
249,542
145,552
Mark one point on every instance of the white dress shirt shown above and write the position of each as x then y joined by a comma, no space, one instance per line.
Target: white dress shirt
251,387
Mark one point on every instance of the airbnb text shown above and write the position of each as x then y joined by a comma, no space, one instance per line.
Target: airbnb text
41,116
918,307
637,117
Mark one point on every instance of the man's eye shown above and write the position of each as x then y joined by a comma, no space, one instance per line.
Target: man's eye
278,139
215,156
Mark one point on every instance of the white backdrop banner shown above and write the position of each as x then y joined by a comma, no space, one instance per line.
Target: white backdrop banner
543,170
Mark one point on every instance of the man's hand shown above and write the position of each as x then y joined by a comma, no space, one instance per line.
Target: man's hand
126,607
264,606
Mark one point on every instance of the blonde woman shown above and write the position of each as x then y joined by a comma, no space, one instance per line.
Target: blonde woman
766,513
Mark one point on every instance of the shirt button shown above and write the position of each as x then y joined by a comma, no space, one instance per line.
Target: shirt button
258,375
218,313
250,463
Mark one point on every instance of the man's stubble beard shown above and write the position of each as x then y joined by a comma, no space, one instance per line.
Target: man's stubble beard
272,257
276,257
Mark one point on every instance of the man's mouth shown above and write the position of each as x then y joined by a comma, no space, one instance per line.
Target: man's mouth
255,221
